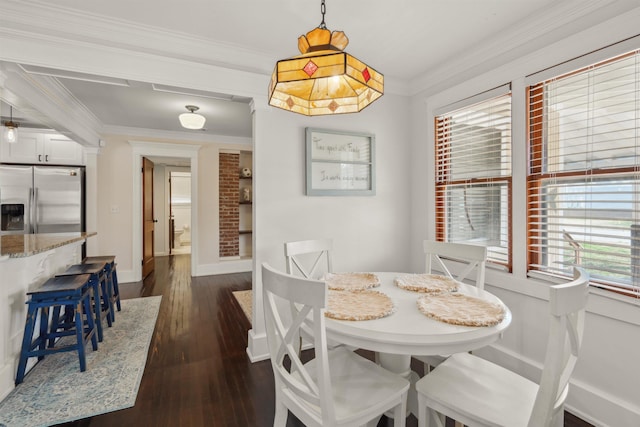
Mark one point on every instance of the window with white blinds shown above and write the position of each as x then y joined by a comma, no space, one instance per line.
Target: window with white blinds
473,176
584,173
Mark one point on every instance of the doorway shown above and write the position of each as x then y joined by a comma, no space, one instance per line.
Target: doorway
148,149
179,212
173,230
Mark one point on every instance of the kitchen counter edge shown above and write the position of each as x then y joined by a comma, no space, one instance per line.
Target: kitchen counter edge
25,245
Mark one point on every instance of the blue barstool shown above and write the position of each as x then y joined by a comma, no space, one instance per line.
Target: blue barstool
101,292
74,295
111,273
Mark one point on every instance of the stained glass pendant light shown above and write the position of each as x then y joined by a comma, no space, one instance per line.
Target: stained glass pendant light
324,79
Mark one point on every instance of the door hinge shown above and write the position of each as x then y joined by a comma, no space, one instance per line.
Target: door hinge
142,263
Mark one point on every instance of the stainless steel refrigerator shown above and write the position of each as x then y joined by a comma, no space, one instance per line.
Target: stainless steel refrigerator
41,199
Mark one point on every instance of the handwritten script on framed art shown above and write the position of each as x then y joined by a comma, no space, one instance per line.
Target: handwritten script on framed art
340,163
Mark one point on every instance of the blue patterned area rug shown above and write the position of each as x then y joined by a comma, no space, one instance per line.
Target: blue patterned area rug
55,391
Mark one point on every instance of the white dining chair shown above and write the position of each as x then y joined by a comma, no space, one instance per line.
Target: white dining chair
475,258
336,388
476,392
309,258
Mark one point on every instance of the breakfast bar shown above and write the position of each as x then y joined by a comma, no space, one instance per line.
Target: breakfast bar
26,262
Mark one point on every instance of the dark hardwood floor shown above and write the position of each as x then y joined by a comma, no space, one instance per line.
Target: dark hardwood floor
197,371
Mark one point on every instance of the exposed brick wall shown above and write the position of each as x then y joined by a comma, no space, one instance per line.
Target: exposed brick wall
229,209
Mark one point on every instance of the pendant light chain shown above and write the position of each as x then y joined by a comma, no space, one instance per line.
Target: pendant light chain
323,10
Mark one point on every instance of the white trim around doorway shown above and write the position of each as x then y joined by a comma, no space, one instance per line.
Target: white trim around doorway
142,149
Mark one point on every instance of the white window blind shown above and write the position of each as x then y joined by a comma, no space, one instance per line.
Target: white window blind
584,173
473,176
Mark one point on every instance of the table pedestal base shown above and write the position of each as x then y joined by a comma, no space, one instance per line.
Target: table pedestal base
401,365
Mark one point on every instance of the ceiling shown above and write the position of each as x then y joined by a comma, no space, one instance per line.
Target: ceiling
417,44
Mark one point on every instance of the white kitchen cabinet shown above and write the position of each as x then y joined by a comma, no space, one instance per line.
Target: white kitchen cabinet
42,148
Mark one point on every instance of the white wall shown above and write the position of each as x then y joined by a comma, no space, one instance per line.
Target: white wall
370,233
604,388
114,222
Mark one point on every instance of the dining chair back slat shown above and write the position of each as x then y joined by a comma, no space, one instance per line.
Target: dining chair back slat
474,256
309,258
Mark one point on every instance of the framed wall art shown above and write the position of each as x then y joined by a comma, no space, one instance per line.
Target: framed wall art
340,163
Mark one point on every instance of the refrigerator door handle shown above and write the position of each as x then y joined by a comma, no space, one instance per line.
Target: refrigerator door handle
34,211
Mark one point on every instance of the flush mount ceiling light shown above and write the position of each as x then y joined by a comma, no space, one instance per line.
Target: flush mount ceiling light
192,120
324,79
11,128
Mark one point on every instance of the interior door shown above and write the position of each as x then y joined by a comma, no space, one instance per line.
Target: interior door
148,223
172,225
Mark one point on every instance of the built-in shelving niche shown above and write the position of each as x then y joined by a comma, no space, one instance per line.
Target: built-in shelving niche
236,204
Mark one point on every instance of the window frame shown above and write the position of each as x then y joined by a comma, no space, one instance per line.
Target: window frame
535,181
442,170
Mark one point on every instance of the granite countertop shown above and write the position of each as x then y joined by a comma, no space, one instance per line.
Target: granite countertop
24,245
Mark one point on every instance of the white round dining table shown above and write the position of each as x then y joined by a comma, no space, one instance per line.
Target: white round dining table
408,332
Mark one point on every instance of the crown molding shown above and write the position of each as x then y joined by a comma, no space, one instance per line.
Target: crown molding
81,56
94,151
164,149
54,25
46,24
55,22
156,135
559,21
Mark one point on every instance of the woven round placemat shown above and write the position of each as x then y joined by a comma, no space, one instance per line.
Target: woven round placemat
460,309
426,283
351,281
359,305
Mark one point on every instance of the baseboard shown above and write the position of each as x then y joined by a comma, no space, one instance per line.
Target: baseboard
7,380
257,348
126,276
600,408
224,267
584,401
